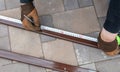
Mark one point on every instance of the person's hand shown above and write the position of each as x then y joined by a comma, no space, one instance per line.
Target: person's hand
110,48
29,10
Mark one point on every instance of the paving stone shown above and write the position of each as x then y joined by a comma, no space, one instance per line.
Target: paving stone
89,66
46,20
18,67
4,39
14,13
87,54
49,6
12,4
4,62
109,65
82,20
101,7
101,21
4,43
25,42
85,3
45,38
71,4
2,5
48,70
60,51
3,30
36,69
93,34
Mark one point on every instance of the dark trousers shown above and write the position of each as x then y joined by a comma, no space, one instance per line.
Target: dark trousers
112,23
25,1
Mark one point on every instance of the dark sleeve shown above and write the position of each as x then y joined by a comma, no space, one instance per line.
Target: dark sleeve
25,1
112,23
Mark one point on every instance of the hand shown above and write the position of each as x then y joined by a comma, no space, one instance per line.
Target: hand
110,48
30,11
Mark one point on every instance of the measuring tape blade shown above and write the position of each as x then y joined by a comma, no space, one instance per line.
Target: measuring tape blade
53,29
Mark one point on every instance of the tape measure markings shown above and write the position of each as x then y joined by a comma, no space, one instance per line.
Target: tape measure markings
53,29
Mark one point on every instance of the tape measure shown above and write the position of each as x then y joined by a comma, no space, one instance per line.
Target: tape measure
54,29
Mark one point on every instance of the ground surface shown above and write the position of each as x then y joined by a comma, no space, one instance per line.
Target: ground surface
80,16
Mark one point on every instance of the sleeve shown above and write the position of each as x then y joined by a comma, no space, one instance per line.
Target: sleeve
112,23
25,1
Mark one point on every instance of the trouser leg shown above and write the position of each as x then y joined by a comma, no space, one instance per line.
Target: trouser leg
25,1
112,23
111,27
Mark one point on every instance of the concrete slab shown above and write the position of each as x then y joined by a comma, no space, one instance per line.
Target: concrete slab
85,3
10,4
4,62
4,43
60,51
14,13
101,7
3,30
46,20
71,4
89,66
45,38
49,6
87,54
2,5
36,69
82,20
18,67
4,37
25,42
112,65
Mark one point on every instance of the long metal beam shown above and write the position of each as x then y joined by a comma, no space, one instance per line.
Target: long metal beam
46,63
54,34
42,63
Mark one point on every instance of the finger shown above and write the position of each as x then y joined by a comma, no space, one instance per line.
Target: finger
28,25
36,18
24,24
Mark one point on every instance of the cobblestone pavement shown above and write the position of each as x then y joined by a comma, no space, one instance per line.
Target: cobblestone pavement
80,16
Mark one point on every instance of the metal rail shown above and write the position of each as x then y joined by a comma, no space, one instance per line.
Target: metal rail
42,62
11,22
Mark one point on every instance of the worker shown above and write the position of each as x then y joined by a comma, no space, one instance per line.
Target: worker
107,37
28,10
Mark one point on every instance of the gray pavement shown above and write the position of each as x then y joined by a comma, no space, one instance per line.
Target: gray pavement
80,16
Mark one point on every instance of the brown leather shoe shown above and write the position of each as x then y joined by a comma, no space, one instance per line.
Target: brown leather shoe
29,10
110,48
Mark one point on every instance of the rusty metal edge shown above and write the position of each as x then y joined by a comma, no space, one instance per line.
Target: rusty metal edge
41,62
54,34
45,63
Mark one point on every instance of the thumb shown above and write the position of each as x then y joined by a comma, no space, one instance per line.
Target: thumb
36,18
